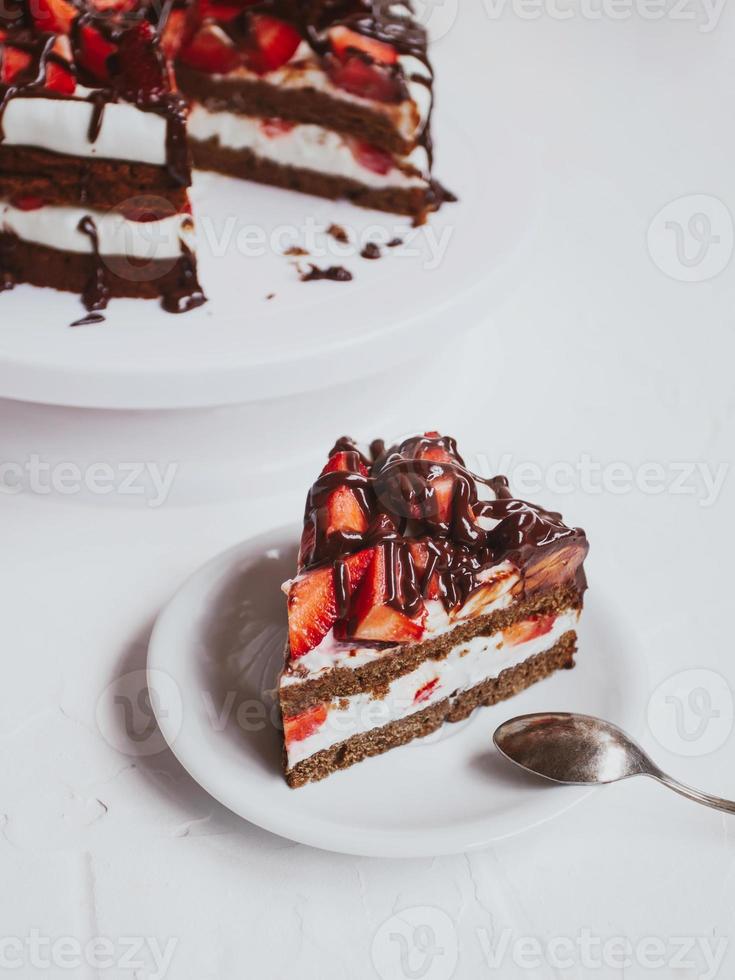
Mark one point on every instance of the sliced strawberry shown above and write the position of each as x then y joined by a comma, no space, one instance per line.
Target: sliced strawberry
275,40
529,629
344,41
53,16
273,128
211,51
298,727
371,618
371,157
221,12
349,462
14,63
421,555
94,51
424,693
142,73
114,6
479,602
312,602
59,75
358,77
28,202
174,33
435,453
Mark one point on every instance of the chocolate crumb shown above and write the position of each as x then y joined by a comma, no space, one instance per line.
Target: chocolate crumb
335,273
7,281
270,296
395,242
338,234
295,250
88,320
371,251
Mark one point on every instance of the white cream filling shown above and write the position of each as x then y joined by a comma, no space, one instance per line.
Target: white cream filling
305,146
467,664
333,653
62,126
57,227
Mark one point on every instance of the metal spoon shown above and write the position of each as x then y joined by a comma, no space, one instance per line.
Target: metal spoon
579,749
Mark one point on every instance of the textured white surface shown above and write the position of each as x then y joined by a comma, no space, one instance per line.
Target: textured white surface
598,353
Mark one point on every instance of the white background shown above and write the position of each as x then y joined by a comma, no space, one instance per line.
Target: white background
602,350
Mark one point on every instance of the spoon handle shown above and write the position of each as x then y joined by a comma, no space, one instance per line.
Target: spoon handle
694,794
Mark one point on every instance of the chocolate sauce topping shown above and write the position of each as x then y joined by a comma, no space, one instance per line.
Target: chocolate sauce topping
420,496
96,293
335,273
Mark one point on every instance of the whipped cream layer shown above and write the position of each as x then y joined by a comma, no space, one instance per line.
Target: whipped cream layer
62,126
304,71
57,227
304,146
467,664
497,593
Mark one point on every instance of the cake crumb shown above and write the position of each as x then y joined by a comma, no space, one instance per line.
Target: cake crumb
338,233
295,250
271,296
371,251
335,273
395,242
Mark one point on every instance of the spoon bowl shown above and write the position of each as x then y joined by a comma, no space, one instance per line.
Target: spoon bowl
582,750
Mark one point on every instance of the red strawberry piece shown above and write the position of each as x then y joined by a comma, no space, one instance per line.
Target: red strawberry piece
222,12
371,618
53,16
345,41
273,128
312,602
174,33
94,50
28,202
210,51
114,6
478,602
421,556
59,74
529,629
344,513
371,157
298,727
14,63
142,74
358,77
436,453
275,42
424,693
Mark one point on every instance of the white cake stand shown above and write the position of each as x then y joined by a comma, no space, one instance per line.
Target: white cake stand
245,347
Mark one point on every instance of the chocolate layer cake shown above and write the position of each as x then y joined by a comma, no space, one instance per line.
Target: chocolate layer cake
94,165
423,592
330,98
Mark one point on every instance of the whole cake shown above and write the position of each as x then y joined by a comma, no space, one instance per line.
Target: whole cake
330,97
423,591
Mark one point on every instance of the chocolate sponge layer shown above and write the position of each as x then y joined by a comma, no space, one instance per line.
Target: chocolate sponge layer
379,740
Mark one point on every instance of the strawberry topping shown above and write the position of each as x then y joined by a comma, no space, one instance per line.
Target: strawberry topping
273,128
211,51
344,42
528,629
28,202
274,43
424,692
94,52
14,63
53,16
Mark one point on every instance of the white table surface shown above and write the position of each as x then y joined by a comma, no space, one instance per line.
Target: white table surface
599,352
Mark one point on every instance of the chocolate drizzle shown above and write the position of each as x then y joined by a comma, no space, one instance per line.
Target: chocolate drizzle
335,273
96,293
440,524
186,294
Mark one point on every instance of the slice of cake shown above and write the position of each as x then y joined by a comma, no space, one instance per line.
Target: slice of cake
330,98
423,591
94,165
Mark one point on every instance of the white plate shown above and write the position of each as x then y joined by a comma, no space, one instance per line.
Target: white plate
243,347
218,645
